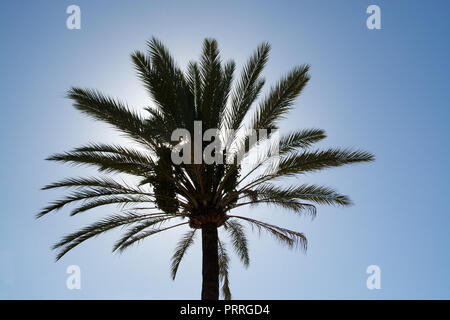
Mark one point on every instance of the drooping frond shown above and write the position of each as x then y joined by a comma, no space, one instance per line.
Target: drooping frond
121,200
103,182
131,153
144,234
239,240
285,236
105,162
224,262
157,218
99,196
186,241
72,240
288,197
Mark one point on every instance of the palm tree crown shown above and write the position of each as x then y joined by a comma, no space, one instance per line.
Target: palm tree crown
199,195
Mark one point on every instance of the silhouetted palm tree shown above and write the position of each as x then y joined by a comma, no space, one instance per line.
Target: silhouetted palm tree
199,195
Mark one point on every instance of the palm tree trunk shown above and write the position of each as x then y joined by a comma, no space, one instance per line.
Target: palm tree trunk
210,264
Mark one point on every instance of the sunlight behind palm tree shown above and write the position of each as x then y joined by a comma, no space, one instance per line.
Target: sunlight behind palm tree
165,196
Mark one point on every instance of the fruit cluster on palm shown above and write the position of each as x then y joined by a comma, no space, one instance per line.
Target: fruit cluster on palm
200,196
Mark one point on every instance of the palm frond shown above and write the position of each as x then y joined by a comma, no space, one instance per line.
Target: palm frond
280,99
168,86
144,234
102,182
247,89
309,161
289,204
109,195
225,89
274,107
300,139
157,218
224,262
211,73
186,241
122,201
72,240
314,193
289,197
285,236
131,153
195,85
239,240
161,125
143,67
105,162
109,110
288,143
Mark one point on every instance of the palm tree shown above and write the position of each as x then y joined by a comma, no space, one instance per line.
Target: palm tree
165,195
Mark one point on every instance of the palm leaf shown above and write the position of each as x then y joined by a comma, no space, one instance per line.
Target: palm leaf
308,161
105,162
248,88
72,240
211,73
112,195
156,218
280,99
224,261
103,182
285,236
109,110
314,193
239,240
183,245
144,234
300,139
168,87
195,85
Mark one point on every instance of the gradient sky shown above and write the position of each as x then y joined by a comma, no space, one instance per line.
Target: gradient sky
386,91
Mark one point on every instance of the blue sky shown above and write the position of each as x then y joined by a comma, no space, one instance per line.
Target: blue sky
386,91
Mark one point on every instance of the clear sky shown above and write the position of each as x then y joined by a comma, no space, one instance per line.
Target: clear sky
386,91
